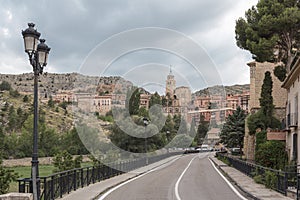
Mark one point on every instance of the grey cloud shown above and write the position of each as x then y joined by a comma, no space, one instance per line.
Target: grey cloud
74,28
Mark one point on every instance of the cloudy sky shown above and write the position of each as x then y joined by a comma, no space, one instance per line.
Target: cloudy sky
137,39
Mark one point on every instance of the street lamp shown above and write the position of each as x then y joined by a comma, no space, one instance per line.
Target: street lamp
38,55
146,122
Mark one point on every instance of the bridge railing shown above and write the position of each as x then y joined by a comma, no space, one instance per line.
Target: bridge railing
56,185
277,180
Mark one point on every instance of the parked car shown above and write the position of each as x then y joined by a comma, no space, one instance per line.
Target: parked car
235,151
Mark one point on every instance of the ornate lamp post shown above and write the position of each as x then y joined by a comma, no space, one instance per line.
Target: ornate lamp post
38,55
146,122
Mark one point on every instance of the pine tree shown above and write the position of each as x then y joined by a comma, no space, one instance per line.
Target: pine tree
266,99
133,101
232,134
201,131
155,99
270,31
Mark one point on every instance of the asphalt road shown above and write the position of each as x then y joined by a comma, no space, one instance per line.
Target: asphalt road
191,177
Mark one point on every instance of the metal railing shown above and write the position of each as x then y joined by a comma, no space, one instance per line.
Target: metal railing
56,185
277,180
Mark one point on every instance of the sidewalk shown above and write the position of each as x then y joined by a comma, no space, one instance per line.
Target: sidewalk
247,184
94,190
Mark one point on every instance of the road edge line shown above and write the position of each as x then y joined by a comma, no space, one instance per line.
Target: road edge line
228,182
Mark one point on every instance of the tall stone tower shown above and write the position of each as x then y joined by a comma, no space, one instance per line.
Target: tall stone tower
170,83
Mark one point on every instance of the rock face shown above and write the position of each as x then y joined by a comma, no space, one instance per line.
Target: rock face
51,83
220,90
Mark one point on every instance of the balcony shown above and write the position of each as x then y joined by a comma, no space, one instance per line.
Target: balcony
292,120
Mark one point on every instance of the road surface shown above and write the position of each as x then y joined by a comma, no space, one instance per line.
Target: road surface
190,177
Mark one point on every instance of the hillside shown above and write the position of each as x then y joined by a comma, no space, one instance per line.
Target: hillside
223,90
56,117
51,83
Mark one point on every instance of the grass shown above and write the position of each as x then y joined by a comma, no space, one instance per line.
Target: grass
25,172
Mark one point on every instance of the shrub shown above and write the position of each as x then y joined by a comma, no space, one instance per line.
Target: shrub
271,179
5,86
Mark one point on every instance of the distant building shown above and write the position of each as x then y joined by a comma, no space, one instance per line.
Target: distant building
94,103
144,100
184,95
170,84
210,115
178,99
64,96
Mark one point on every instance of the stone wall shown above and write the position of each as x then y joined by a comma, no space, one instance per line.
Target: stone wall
17,196
257,75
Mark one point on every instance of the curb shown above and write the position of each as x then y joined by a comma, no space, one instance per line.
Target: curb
246,193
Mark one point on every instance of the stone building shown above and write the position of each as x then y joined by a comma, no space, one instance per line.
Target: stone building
292,85
257,74
170,84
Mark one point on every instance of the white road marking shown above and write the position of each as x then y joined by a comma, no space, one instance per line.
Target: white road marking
228,183
179,179
139,176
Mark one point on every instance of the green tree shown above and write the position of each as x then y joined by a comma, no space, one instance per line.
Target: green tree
266,99
5,86
155,99
133,101
233,132
183,127
2,137
72,143
6,177
51,102
271,154
264,117
169,129
12,118
201,131
25,99
270,31
48,141
192,131
63,105
64,161
14,93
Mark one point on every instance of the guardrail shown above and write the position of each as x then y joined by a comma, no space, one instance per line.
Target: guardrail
56,185
277,180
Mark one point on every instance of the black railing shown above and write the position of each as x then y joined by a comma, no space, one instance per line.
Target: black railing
277,180
56,185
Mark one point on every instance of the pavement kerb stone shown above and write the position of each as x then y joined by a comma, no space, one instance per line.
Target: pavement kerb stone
253,195
219,164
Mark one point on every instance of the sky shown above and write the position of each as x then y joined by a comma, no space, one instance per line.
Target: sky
140,40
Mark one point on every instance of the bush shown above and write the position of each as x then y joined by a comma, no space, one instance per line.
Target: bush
271,179
271,154
14,93
25,99
6,176
5,86
64,161
258,179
